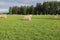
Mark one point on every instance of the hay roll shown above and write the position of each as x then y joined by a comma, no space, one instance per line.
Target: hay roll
28,17
56,17
3,16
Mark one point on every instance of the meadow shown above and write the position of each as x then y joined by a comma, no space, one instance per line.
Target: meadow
41,27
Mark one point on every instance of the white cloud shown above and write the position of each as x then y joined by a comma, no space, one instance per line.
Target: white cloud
58,0
18,4
50,0
4,10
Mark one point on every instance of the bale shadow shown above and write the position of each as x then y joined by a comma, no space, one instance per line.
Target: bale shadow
23,20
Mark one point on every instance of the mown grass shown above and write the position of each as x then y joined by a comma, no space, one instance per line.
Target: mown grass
41,27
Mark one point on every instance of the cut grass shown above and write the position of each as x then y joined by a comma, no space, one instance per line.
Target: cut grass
41,27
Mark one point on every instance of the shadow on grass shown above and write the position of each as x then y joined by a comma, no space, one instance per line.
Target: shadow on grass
23,20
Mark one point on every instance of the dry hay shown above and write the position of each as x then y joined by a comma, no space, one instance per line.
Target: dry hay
3,16
28,17
56,17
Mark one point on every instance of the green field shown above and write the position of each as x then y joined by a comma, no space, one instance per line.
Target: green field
41,27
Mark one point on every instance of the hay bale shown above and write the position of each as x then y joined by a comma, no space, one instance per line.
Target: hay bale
56,17
27,17
3,16
30,15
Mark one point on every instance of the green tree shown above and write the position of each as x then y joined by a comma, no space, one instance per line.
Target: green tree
38,8
10,10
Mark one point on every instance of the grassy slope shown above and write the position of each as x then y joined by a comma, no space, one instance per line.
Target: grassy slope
39,28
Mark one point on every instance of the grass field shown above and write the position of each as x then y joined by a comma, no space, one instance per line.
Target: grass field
41,27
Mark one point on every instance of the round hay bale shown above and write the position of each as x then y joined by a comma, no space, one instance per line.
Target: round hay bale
27,17
56,17
3,16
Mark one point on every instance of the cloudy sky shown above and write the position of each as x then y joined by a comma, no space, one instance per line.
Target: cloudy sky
5,4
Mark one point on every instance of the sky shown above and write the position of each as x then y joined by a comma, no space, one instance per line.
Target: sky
5,4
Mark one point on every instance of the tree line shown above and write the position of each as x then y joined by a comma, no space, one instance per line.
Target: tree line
52,7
